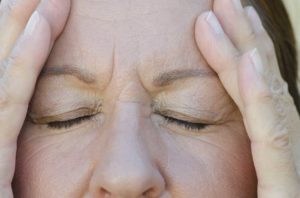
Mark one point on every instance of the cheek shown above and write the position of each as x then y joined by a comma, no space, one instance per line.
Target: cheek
55,165
211,165
216,165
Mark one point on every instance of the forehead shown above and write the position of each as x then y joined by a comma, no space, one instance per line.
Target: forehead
144,34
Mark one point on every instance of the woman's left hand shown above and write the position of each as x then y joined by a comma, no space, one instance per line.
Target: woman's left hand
235,44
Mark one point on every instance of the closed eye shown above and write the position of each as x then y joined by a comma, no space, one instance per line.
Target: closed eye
77,121
185,124
69,123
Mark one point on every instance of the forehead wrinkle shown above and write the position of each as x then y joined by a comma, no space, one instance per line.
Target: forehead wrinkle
115,10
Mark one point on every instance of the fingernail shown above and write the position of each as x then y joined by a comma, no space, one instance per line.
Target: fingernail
254,18
256,61
32,23
214,23
238,5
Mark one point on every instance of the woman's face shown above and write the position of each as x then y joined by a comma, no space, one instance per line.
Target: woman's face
126,106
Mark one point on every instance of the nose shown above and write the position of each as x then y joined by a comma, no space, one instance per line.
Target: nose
125,168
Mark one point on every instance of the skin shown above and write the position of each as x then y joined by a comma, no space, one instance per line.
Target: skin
117,151
127,148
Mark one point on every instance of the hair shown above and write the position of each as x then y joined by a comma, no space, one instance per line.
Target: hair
278,25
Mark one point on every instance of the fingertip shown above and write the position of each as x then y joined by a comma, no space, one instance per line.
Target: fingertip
208,27
201,27
201,20
56,12
32,23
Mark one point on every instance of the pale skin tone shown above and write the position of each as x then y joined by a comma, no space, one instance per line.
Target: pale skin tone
142,99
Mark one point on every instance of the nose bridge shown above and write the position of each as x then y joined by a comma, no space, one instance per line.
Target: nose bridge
126,168
126,130
129,115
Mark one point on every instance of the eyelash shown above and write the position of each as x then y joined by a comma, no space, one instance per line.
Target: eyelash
70,123
185,124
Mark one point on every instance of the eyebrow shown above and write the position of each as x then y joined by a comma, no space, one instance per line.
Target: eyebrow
79,73
167,78
163,79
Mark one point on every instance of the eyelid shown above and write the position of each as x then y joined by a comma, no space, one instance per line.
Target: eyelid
68,124
186,124
73,114
184,117
186,113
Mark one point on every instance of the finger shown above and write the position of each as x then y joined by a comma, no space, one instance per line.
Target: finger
16,87
17,84
244,28
14,15
234,22
25,62
217,47
56,12
219,52
263,39
270,117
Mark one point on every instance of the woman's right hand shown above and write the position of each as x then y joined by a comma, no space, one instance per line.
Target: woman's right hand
28,29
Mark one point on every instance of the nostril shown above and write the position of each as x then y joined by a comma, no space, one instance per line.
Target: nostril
104,193
148,193
127,171
152,193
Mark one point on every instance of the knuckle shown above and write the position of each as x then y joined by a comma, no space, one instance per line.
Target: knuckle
279,136
278,87
230,60
249,37
275,91
10,8
264,96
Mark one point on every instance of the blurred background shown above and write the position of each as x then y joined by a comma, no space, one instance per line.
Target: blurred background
293,7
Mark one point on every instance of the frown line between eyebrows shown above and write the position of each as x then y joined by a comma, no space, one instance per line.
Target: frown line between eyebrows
80,73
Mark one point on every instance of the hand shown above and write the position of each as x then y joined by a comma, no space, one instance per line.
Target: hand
236,45
28,29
